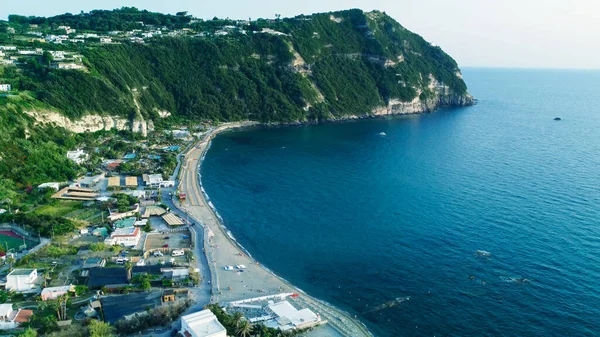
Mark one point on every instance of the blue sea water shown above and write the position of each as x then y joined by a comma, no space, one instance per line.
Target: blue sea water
359,219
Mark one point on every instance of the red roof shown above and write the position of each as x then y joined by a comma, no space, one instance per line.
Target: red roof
23,316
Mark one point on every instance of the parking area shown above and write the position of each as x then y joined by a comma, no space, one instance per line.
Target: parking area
170,240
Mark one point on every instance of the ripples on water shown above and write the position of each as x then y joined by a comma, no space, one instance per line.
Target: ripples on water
359,219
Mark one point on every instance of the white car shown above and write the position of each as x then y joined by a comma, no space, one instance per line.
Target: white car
241,267
122,260
178,253
157,254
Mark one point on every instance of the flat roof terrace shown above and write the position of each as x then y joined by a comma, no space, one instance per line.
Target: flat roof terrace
172,220
114,181
131,181
76,193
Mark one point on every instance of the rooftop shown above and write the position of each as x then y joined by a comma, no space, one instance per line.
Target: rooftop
23,316
21,272
125,223
288,314
203,323
127,231
115,307
57,289
131,181
114,181
172,219
99,277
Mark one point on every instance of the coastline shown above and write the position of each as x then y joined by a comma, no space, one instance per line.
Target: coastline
222,247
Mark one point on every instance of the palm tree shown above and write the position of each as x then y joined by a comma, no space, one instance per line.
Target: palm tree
10,260
244,329
236,319
46,276
128,266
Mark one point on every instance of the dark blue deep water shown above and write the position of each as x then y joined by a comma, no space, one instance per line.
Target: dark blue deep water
359,219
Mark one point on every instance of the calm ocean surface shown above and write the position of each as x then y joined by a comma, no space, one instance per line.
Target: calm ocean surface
359,219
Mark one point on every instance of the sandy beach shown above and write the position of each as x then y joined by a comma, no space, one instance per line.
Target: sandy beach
222,250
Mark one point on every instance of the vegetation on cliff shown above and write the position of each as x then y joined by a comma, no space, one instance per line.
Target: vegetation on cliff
303,68
306,68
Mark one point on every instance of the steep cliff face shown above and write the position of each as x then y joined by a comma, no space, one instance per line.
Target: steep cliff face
90,123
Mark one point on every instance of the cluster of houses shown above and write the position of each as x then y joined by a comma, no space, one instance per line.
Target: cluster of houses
11,55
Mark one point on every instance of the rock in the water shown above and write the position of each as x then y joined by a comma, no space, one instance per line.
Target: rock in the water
557,119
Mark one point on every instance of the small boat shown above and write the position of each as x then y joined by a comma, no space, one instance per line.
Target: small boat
557,119
382,134
483,253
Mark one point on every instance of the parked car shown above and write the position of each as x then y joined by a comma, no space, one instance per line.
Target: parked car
166,245
122,260
166,238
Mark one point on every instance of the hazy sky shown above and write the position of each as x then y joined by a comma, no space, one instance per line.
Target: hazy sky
497,33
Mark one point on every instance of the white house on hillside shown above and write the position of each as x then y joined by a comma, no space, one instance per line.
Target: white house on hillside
5,87
21,280
10,319
53,185
78,156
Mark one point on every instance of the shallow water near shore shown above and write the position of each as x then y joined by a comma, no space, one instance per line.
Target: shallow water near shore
359,219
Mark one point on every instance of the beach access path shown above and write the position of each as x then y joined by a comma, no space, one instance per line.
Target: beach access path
221,250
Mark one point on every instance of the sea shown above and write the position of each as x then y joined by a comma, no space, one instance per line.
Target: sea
474,221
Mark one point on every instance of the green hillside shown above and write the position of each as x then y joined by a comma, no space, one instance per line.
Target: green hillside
140,65
244,74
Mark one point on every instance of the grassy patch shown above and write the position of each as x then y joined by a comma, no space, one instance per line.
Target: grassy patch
89,215
60,208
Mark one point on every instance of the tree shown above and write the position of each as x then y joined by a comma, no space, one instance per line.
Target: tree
236,319
81,289
29,332
3,296
128,266
59,305
10,260
244,329
100,329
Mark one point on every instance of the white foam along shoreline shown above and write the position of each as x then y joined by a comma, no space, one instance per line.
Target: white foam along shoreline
232,239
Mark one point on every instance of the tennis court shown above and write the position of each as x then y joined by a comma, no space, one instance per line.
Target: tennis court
14,241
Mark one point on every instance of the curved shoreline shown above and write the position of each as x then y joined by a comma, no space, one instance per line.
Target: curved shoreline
217,233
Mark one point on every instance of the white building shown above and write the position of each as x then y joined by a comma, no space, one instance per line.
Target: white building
54,186
21,280
52,293
5,87
67,66
105,40
153,180
167,183
78,156
289,318
202,324
8,48
67,29
127,237
10,319
57,54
